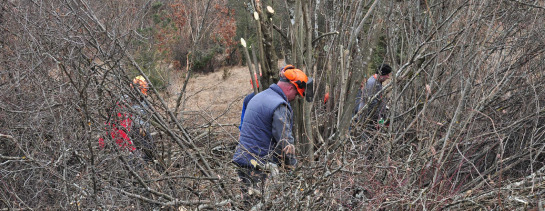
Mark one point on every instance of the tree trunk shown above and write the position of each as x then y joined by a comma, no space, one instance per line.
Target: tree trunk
269,59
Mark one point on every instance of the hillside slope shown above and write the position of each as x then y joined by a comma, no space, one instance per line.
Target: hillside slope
214,98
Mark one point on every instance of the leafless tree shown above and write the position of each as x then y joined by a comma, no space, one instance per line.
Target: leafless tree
466,109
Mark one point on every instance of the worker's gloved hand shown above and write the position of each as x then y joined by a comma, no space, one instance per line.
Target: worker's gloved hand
288,156
288,149
285,153
381,121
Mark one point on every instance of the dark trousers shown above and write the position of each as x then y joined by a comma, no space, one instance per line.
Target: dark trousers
251,179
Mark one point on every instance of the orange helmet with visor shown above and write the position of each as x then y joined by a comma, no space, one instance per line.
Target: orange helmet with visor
299,79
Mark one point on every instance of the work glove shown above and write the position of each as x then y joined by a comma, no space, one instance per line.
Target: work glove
285,153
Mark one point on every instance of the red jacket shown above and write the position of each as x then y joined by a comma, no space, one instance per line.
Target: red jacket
119,131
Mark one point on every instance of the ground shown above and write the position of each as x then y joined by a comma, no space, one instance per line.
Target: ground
214,98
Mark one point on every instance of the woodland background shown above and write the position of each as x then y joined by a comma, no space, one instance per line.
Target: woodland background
466,98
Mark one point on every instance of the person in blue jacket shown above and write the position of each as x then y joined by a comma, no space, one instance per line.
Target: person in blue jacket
247,100
266,132
244,104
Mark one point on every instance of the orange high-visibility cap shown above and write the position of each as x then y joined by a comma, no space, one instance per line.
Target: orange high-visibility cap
142,84
297,78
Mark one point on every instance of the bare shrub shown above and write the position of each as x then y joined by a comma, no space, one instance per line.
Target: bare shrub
466,123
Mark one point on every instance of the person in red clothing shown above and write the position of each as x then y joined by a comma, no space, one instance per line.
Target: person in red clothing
119,128
120,125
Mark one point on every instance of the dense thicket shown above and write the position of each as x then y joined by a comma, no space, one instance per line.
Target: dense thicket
467,115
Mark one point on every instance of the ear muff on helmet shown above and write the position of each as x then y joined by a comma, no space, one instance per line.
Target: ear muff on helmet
300,80
309,91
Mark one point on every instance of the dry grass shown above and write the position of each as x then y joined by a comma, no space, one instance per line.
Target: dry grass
214,98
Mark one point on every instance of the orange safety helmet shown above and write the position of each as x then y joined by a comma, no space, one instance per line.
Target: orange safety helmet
297,77
142,84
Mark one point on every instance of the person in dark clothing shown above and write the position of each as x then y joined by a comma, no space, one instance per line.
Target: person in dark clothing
376,108
141,135
246,101
266,133
244,104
